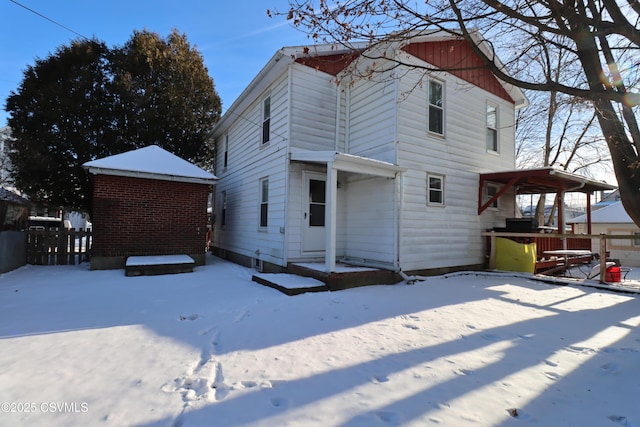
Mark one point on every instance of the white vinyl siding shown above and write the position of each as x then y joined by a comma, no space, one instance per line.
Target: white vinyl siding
248,164
450,235
313,109
372,120
370,232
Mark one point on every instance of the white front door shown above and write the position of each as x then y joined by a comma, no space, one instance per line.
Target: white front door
313,230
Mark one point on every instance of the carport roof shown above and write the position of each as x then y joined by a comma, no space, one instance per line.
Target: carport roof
545,180
539,181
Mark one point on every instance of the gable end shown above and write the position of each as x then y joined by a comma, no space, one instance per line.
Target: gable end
457,58
331,64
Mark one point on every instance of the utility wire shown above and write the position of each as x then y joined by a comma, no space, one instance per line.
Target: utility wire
49,19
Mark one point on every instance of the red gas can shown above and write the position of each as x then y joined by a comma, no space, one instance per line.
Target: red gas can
613,275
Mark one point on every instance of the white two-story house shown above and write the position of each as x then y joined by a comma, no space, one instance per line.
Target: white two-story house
316,165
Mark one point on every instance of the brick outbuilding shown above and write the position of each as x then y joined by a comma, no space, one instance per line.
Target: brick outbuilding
148,202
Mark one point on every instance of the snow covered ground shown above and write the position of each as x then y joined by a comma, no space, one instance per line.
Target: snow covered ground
213,348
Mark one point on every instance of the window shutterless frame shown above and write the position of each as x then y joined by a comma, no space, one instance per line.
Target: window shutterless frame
492,128
264,203
226,151
266,119
436,107
223,213
435,189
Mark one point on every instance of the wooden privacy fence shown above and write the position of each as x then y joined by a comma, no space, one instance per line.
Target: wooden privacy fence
58,246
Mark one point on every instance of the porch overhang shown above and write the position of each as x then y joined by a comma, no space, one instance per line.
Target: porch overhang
347,162
340,162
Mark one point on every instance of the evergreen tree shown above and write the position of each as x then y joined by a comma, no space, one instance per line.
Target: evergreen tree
87,101
59,119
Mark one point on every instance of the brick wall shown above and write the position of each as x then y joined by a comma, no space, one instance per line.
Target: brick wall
136,216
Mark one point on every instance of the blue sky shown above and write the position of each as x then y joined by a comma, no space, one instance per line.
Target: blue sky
235,38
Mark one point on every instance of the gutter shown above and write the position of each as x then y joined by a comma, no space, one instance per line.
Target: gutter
147,175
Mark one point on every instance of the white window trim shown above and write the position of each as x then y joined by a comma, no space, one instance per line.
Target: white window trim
444,122
223,210
264,119
225,153
442,190
496,205
496,129
261,202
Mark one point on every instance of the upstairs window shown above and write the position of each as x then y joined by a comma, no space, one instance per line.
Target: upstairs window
226,151
492,128
436,105
223,214
264,202
266,119
435,189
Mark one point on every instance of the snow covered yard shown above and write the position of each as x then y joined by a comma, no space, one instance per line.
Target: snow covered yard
212,348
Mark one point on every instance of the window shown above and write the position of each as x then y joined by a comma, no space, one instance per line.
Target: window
492,190
636,239
435,189
264,202
317,202
226,151
436,112
492,128
266,119
223,214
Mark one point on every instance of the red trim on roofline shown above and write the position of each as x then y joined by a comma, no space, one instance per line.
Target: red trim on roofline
331,64
457,58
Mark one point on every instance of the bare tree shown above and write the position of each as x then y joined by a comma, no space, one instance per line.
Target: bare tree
598,38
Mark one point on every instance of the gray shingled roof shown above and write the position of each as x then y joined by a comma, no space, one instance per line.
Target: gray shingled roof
10,196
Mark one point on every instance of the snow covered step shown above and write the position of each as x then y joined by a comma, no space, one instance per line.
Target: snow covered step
152,265
290,284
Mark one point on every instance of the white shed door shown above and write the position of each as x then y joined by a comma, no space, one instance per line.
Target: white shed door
313,234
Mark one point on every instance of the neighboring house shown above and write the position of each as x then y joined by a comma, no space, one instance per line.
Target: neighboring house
148,202
5,163
381,172
14,211
612,219
569,211
607,199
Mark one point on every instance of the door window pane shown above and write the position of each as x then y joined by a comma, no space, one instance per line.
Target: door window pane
316,202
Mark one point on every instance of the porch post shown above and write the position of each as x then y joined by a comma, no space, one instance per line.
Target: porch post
588,213
330,218
561,224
